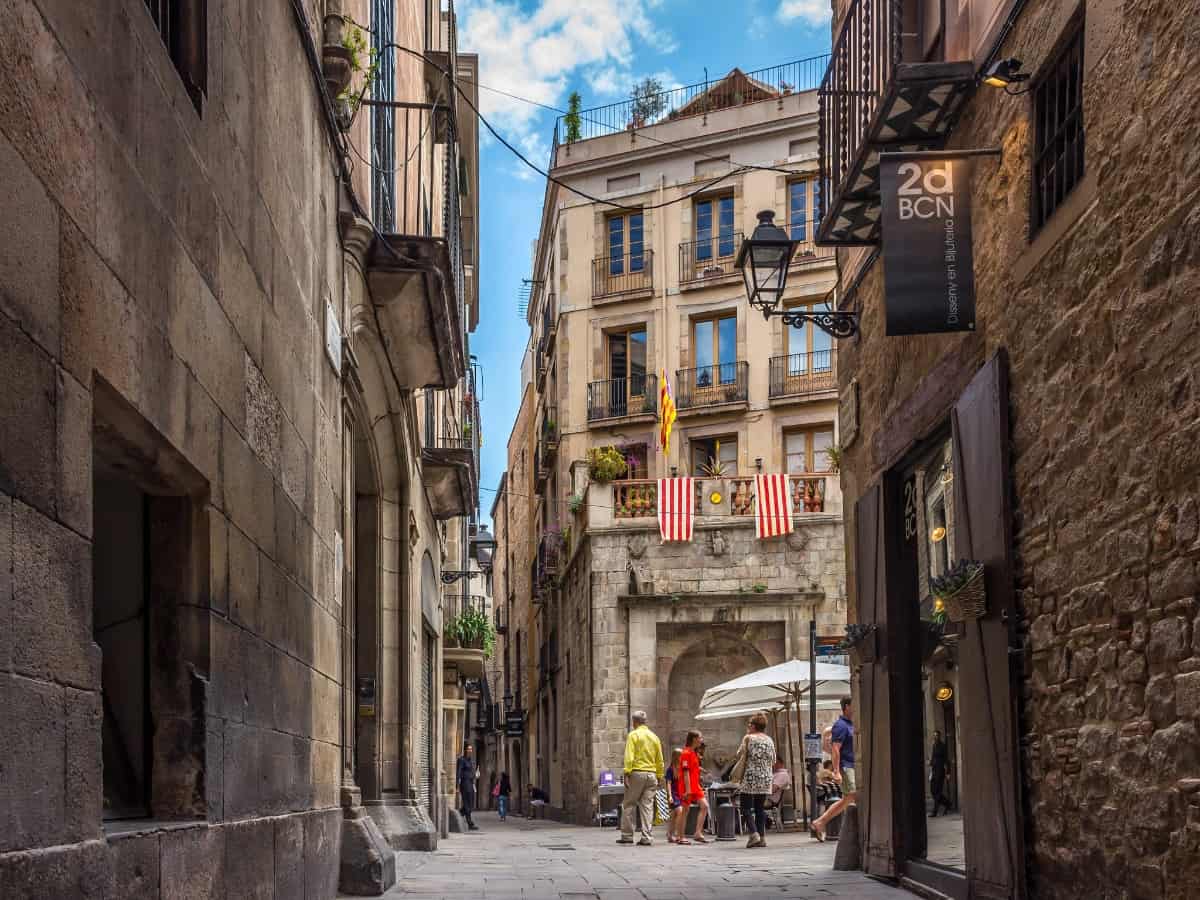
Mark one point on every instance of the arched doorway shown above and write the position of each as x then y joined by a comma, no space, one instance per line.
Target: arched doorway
707,663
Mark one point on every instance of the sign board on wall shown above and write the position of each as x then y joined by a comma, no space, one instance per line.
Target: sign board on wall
514,723
928,267
812,745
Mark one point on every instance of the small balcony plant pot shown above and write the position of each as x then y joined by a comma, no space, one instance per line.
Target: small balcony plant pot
337,68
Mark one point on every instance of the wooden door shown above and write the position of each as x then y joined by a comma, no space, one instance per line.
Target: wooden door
873,740
990,785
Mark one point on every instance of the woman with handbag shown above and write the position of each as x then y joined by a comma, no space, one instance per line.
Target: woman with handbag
501,791
752,771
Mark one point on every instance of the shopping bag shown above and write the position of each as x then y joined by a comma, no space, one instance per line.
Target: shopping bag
662,807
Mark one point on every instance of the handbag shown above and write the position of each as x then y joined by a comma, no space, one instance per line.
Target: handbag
496,790
662,807
739,764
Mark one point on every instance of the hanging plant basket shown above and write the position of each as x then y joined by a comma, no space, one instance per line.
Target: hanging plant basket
962,590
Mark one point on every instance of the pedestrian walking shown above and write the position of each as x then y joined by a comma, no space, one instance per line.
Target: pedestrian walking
752,769
692,794
675,796
643,773
466,774
937,773
842,748
503,790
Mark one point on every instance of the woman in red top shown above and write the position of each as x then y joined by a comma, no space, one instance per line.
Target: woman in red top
690,791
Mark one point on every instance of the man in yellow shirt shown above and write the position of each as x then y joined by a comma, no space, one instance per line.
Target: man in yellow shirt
643,774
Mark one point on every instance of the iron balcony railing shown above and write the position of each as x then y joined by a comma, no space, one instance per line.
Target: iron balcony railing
708,258
622,397
549,556
548,429
811,254
691,100
861,66
420,195
803,373
457,604
613,276
712,385
549,320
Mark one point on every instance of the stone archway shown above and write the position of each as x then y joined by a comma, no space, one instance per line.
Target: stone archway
713,659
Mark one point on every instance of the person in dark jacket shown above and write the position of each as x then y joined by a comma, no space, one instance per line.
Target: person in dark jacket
502,795
464,778
937,773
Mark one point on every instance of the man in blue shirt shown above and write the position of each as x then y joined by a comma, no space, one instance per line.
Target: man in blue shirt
843,767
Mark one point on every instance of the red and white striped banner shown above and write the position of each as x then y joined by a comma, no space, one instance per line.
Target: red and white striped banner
676,508
774,514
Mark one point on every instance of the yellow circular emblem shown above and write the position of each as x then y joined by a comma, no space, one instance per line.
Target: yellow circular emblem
715,497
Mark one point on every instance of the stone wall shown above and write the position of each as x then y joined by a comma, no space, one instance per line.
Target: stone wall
703,598
180,262
1100,321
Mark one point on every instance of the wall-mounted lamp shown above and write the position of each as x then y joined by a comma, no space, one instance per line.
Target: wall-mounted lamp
674,471
944,692
758,463
947,473
938,534
1004,73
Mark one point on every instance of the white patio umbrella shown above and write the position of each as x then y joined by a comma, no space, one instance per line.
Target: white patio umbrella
781,687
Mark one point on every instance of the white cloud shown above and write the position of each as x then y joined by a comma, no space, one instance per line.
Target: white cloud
545,52
812,12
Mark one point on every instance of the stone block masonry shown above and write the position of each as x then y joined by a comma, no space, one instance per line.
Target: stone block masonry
162,273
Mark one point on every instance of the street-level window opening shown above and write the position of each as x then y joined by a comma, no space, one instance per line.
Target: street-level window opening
714,228
715,342
627,370
807,450
625,245
183,27
803,214
1058,151
150,618
714,455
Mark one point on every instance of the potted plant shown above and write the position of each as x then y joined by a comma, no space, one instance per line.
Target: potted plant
575,503
606,464
834,454
358,56
962,590
451,633
475,630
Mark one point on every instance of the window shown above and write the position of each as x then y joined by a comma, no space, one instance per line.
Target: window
183,27
625,243
803,214
706,228
715,341
383,119
149,618
706,451
1058,129
809,349
627,362
804,450
636,458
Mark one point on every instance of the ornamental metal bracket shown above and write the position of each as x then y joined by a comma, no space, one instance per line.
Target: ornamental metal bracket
453,575
835,322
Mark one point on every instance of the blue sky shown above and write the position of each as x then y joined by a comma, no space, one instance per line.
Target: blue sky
543,51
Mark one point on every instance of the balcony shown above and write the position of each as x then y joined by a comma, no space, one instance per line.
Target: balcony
810,255
623,398
547,442
878,94
450,472
623,277
634,502
709,386
416,275
549,320
803,373
549,557
709,261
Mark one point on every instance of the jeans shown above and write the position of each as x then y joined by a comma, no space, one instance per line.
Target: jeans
754,812
502,805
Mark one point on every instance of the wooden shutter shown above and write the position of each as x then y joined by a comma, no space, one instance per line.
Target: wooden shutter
988,731
873,740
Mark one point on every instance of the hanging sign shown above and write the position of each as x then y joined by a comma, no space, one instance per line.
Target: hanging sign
514,723
928,269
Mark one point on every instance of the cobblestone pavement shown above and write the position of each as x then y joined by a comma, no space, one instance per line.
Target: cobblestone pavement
521,859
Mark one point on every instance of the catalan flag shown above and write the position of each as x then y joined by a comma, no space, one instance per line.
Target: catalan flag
666,406
774,514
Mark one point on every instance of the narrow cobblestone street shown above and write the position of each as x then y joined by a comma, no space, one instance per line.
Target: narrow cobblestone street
521,859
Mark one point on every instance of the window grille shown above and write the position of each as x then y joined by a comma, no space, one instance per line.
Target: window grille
182,25
383,119
1058,162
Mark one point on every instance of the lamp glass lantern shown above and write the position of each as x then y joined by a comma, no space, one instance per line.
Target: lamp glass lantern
764,260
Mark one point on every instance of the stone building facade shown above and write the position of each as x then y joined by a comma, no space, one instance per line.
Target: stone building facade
634,286
1071,415
220,515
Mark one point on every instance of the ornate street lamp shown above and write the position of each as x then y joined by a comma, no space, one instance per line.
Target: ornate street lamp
764,261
